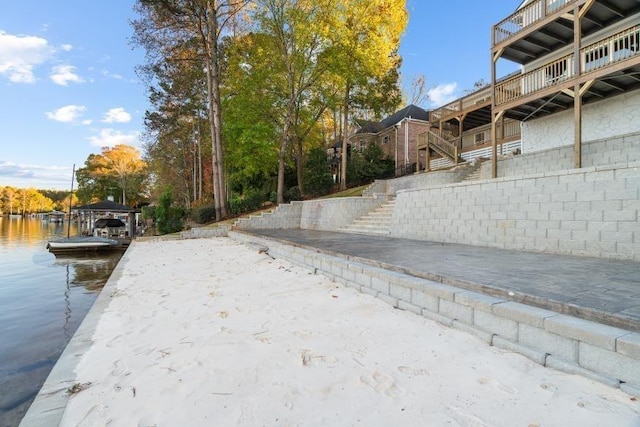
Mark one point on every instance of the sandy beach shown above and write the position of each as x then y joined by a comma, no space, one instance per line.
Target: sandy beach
210,332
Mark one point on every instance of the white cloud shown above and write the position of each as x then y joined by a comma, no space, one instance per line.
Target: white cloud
19,55
443,94
109,74
63,74
37,176
111,138
66,114
117,115
66,47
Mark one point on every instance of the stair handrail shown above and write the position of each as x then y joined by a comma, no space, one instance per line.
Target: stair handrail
443,146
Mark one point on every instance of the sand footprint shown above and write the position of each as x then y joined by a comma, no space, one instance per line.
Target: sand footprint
119,368
114,341
413,372
383,384
548,386
497,385
263,339
302,334
463,418
603,406
311,359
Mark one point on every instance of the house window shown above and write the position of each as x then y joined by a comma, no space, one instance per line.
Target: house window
385,139
479,138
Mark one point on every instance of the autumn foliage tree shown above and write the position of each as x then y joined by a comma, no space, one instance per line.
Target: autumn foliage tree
118,168
271,75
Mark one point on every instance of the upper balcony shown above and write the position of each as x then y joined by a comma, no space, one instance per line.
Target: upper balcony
610,65
543,26
475,107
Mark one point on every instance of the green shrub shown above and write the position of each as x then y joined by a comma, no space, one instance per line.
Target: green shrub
203,214
293,193
168,218
250,200
317,173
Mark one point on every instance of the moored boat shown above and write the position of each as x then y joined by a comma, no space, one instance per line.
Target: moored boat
82,244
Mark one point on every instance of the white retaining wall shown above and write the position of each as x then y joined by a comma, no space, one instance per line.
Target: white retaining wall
600,120
419,180
586,212
604,353
321,214
620,149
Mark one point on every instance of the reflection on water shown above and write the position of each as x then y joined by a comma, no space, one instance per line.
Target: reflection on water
43,300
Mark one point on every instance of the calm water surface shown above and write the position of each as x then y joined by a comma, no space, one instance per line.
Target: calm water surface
43,300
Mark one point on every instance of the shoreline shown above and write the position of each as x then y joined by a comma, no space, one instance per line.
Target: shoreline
237,337
50,402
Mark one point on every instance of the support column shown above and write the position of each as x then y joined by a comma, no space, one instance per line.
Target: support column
494,132
577,96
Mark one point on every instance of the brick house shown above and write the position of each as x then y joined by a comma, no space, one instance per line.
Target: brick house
397,135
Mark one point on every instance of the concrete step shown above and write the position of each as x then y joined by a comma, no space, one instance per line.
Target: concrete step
376,222
475,171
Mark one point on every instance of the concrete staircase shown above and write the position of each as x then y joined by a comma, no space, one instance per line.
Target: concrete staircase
475,170
376,222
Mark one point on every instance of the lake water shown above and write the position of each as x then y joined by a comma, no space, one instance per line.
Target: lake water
43,300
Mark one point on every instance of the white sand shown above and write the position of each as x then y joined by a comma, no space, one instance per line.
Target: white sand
212,333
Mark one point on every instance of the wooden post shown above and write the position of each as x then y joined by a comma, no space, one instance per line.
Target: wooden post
577,96
502,135
428,156
494,137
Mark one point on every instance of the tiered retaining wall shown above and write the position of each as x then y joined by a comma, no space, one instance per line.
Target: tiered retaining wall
322,214
604,353
622,149
392,186
586,212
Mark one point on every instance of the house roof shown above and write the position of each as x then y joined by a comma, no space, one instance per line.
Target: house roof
368,126
410,111
106,206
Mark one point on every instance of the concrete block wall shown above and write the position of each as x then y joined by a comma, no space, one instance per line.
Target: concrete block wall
620,149
419,180
603,353
284,216
331,214
600,120
584,212
322,214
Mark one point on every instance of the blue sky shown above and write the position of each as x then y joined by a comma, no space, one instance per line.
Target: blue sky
68,85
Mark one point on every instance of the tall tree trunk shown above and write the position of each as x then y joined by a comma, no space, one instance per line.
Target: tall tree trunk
345,136
281,163
299,163
213,87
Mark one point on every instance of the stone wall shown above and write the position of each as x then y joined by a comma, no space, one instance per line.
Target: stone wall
584,212
620,149
601,120
420,180
321,214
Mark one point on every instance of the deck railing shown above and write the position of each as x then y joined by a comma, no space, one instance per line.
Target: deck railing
462,104
598,55
439,144
525,17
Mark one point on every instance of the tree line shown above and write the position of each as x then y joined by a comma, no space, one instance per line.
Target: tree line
247,95
24,201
